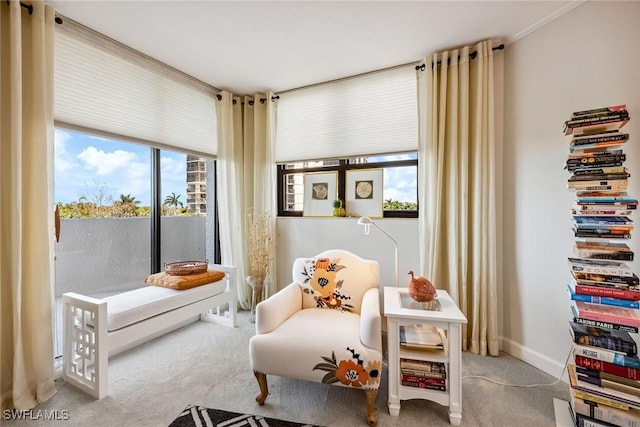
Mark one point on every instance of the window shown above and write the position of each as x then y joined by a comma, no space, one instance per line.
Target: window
103,189
400,179
355,121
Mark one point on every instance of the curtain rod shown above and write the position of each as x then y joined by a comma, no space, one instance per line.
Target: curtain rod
251,102
30,9
472,55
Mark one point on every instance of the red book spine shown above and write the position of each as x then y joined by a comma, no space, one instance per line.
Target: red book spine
424,380
610,368
608,292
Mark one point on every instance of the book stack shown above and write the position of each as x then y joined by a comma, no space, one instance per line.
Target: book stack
423,374
604,372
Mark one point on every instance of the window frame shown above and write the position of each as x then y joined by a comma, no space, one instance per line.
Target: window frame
342,168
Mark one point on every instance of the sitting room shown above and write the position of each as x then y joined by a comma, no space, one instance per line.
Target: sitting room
328,213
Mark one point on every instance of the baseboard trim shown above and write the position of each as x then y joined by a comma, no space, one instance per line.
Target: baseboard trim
535,359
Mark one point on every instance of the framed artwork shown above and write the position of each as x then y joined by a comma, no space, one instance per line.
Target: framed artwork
320,190
364,192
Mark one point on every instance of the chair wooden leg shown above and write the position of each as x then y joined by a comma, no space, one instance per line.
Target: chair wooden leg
372,415
264,389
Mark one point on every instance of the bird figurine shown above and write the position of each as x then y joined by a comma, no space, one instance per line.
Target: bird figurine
421,289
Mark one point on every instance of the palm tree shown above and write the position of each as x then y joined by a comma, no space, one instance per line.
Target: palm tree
173,201
129,200
127,205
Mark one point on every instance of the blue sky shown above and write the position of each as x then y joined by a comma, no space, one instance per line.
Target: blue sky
87,165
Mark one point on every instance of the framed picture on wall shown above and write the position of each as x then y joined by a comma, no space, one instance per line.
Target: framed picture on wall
320,190
364,192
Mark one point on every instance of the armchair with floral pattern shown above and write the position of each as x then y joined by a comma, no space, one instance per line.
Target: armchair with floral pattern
324,327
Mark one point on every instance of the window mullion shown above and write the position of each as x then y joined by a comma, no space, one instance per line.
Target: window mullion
156,211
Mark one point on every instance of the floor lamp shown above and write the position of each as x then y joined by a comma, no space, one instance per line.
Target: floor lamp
366,221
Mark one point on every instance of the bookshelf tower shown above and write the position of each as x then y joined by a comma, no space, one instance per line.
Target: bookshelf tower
604,368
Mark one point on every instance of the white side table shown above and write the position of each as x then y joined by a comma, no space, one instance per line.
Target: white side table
400,310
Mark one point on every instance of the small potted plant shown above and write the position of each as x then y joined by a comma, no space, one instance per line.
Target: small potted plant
338,209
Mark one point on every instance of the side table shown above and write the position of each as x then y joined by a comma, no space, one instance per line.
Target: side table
401,310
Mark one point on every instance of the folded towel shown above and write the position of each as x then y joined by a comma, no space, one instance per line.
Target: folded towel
184,282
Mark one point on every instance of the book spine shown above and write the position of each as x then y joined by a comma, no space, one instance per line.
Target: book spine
600,400
609,377
423,385
423,374
601,110
608,318
607,384
606,280
601,118
605,413
593,299
602,235
420,365
601,269
595,128
615,184
598,254
586,147
610,368
606,356
425,380
591,161
579,140
600,324
573,167
602,171
584,421
605,151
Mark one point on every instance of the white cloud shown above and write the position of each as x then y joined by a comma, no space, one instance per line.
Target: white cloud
105,163
63,160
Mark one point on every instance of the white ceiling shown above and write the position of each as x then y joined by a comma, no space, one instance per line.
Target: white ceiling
252,46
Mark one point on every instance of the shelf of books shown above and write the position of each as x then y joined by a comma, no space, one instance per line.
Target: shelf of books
423,357
604,372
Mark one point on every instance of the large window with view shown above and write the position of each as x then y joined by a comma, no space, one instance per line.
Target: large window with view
105,191
400,182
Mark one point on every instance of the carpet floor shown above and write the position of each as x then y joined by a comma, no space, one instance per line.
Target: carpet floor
199,416
208,365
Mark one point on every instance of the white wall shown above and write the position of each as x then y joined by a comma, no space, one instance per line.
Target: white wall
305,237
588,58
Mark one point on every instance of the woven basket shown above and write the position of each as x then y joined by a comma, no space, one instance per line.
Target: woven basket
184,268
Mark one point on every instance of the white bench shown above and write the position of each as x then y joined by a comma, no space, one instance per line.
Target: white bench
95,329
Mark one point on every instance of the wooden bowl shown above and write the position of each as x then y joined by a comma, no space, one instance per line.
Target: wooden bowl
184,268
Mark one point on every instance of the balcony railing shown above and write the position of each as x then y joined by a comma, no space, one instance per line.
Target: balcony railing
105,255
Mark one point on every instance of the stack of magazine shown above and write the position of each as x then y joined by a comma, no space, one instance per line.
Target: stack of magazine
604,372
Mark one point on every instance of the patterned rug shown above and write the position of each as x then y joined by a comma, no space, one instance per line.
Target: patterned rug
199,416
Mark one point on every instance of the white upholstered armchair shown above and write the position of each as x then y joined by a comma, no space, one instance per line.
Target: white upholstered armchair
323,327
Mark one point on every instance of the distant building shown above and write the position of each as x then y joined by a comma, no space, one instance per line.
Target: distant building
196,184
294,183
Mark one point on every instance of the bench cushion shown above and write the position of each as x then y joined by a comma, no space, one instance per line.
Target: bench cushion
184,282
134,306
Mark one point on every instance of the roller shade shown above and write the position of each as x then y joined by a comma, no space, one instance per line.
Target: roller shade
370,114
105,86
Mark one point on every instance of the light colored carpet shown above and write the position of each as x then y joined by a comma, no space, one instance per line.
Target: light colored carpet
207,364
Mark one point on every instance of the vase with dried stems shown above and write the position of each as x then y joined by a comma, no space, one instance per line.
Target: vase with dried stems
259,246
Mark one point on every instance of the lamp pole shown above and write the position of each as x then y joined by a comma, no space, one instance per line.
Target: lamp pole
366,221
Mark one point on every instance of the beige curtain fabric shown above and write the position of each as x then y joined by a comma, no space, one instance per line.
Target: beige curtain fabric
245,167
458,203
26,211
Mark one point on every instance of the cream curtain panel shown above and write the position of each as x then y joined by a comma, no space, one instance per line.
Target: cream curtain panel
458,203
26,211
246,177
